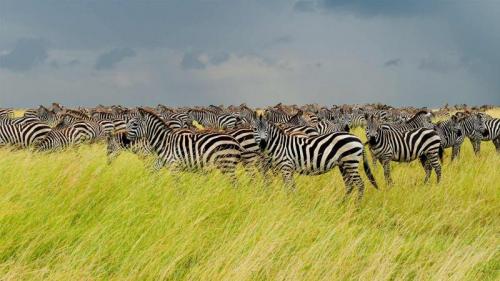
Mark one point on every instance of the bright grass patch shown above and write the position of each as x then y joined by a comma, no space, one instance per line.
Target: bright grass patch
70,216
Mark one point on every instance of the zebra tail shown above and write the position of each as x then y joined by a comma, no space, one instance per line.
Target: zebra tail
368,170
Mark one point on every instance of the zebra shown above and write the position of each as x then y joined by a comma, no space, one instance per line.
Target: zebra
117,142
388,145
58,139
185,149
212,120
474,128
22,135
6,113
300,130
313,155
328,126
452,135
40,114
87,125
277,116
421,119
492,133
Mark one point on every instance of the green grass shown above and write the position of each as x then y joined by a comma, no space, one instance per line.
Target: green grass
70,216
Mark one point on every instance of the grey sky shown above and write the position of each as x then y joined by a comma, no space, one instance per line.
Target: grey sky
260,52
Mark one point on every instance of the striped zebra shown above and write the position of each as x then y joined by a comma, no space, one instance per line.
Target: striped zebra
247,115
452,135
313,155
41,114
327,127
474,128
210,119
421,119
22,135
389,145
58,139
277,116
87,125
183,150
118,142
6,113
492,133
300,130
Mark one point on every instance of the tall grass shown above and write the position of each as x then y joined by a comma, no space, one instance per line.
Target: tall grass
70,216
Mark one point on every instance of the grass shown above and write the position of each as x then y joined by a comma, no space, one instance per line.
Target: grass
70,216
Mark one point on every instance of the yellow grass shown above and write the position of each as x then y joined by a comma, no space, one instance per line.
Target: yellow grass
70,216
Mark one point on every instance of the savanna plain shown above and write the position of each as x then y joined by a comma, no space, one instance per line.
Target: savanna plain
71,216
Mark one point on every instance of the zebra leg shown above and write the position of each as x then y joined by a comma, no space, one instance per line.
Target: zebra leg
387,171
426,164
455,152
374,159
496,142
434,161
159,163
287,174
476,145
351,178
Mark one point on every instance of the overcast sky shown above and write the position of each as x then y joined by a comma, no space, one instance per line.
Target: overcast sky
401,52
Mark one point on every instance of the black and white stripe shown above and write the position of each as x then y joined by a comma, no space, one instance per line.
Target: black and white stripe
313,155
389,145
452,135
183,149
22,135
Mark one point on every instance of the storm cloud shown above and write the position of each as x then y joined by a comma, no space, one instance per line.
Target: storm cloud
209,52
108,59
27,53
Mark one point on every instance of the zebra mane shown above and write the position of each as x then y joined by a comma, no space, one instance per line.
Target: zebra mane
143,111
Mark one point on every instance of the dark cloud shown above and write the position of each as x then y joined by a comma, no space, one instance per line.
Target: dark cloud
393,62
27,53
109,59
191,60
304,6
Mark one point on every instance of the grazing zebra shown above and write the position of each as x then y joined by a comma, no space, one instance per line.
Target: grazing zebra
119,141
22,135
389,145
452,135
313,155
247,115
210,119
58,139
186,150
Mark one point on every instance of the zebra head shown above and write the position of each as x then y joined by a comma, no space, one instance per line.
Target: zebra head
372,128
456,125
261,132
135,129
479,125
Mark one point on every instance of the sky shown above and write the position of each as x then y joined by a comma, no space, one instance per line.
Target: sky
261,52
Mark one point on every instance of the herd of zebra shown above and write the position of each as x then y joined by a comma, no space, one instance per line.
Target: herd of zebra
306,139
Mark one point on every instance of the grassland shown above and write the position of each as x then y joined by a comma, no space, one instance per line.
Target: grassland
70,216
